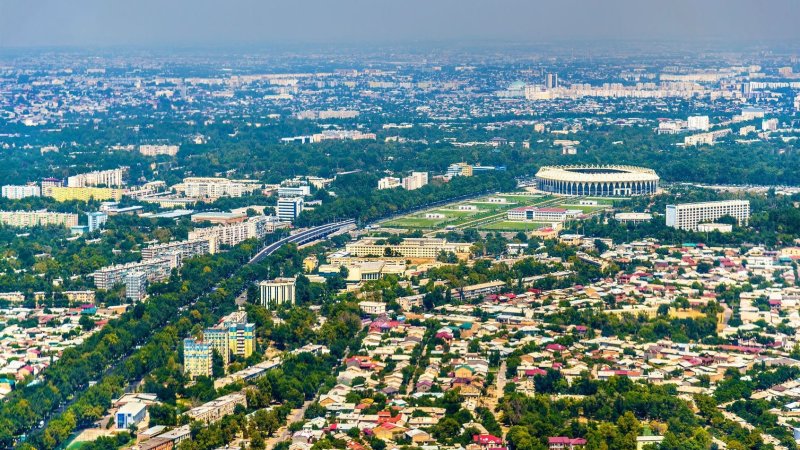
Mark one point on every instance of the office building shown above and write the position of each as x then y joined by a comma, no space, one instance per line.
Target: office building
459,170
289,208
96,220
415,181
294,191
277,292
129,415
135,286
427,248
15,192
698,123
552,81
105,178
688,216
534,214
197,358
254,228
63,194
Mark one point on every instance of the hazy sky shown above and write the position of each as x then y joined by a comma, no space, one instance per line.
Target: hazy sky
217,22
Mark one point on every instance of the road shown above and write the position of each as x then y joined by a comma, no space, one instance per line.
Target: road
302,237
299,238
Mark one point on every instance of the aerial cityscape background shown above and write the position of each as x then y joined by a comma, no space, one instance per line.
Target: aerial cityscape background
418,225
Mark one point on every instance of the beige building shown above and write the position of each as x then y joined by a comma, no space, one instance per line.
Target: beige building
217,409
24,219
408,248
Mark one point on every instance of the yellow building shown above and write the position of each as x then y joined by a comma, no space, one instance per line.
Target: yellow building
63,194
241,339
310,263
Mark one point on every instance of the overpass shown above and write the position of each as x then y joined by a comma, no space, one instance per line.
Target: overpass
304,236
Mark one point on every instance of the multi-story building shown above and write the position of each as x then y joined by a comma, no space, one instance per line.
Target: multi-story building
699,123
415,181
63,194
278,291
533,214
180,249
769,124
25,219
294,191
135,285
372,308
156,150
459,169
154,269
409,248
289,208
688,216
15,192
197,358
107,178
388,183
96,220
217,409
214,188
254,228
241,339
217,337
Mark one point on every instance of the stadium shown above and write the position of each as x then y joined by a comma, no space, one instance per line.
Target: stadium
597,181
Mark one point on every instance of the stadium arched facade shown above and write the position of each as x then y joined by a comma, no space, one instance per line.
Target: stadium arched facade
597,181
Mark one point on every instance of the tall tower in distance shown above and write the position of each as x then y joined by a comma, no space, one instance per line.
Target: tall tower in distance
552,81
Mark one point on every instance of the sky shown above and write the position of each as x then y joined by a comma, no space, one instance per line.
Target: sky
100,23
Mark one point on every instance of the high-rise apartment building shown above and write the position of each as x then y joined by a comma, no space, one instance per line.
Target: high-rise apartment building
14,192
107,178
278,291
241,339
217,337
688,216
552,81
135,285
415,181
96,220
197,358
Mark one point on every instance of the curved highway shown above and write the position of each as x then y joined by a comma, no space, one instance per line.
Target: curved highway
303,237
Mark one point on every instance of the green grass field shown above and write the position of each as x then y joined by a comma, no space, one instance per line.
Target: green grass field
506,225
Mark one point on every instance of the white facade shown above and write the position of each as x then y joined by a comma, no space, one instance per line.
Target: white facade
278,291
769,124
96,220
254,228
688,216
373,308
289,208
388,183
108,178
17,192
700,123
214,188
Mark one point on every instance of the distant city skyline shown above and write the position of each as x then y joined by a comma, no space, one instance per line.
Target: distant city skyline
93,23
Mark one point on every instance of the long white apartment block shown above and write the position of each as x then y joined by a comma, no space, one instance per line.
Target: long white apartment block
688,216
